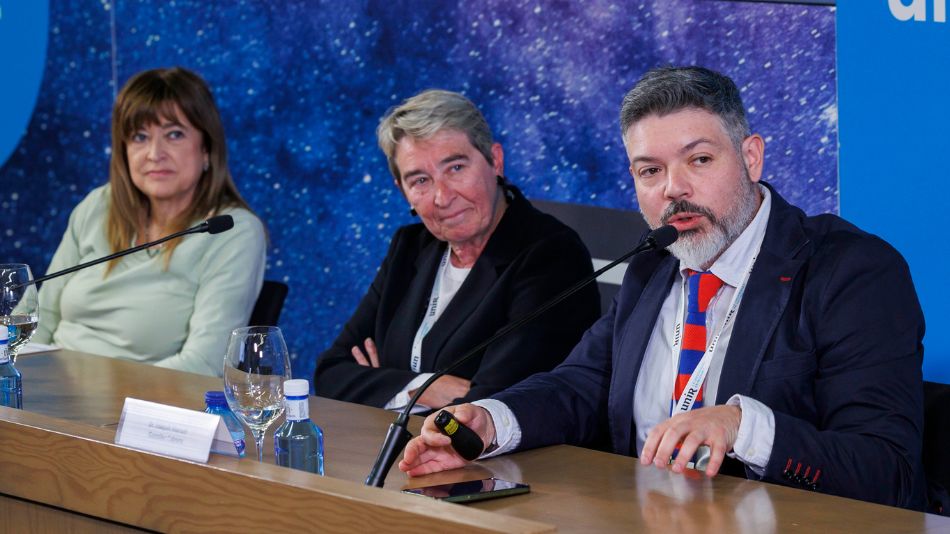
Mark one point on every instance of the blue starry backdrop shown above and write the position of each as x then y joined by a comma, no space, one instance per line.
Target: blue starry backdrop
302,85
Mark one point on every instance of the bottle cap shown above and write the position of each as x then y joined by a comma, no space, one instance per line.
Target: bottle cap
297,388
215,398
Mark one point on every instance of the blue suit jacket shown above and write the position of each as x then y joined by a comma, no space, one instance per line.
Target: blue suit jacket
828,335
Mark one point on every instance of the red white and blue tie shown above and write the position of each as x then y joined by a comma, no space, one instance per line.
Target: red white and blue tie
702,287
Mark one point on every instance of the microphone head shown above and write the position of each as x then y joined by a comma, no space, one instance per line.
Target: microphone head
221,223
663,236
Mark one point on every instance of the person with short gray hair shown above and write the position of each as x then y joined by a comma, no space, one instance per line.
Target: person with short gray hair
425,114
763,343
482,257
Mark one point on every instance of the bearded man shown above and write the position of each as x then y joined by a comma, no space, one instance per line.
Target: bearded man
763,342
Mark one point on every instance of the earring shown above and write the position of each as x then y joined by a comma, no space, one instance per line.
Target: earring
205,167
412,211
503,184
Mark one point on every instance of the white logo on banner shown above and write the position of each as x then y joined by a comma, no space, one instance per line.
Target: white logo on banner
917,10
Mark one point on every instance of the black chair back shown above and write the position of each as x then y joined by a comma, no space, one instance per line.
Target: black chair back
269,304
937,446
607,233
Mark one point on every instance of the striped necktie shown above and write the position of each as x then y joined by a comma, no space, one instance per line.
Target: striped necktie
702,286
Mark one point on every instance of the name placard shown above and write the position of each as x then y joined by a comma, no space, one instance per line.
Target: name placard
173,431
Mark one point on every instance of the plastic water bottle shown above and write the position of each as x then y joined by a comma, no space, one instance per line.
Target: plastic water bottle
298,442
11,387
218,405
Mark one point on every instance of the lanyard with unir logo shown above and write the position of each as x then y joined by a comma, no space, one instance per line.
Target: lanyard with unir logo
415,361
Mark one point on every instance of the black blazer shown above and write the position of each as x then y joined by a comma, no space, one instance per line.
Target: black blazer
529,258
828,335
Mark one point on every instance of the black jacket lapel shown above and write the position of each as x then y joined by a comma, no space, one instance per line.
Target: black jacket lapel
634,335
408,315
765,298
499,252
468,298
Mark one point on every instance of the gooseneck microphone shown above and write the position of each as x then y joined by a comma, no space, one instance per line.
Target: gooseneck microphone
214,225
397,436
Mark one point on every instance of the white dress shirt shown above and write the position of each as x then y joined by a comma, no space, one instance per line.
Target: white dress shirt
654,387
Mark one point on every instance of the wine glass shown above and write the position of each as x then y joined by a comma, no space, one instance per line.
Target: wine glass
255,367
18,305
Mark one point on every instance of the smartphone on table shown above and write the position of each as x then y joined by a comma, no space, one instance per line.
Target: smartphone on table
472,490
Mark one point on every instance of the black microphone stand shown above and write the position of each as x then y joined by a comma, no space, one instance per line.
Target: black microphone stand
398,436
214,225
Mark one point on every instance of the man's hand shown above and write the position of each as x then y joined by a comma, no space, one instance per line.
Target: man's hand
371,358
444,390
432,450
715,426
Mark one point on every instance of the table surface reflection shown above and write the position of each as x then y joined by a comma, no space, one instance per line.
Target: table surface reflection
576,489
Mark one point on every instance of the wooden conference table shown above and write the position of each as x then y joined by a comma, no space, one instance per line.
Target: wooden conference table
60,471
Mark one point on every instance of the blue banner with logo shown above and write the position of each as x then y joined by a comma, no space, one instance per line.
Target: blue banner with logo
894,124
23,33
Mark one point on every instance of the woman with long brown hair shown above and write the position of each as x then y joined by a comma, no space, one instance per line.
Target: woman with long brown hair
176,305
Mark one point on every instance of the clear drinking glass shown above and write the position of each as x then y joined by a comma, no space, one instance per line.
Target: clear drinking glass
255,367
19,308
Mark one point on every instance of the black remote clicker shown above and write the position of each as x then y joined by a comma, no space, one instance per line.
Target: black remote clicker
464,440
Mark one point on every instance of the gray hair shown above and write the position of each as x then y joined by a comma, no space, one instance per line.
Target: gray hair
425,114
667,90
